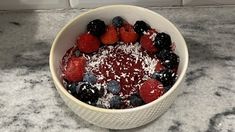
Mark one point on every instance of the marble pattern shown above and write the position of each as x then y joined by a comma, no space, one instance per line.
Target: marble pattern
29,101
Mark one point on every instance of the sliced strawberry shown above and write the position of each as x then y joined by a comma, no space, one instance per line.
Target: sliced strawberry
75,69
151,90
88,43
128,34
110,36
147,41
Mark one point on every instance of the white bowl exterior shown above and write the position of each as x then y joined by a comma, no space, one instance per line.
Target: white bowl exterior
117,119
127,120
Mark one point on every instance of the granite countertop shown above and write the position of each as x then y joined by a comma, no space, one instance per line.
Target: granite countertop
30,102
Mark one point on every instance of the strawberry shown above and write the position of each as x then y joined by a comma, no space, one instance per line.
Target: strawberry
159,67
151,90
147,41
75,69
88,43
128,34
110,36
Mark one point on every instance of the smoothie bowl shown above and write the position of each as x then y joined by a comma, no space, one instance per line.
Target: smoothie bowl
119,67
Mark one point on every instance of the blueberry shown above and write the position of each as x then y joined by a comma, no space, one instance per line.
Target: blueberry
156,75
72,88
135,100
118,21
140,27
116,102
77,53
88,94
169,59
113,87
90,78
162,41
167,77
96,27
167,88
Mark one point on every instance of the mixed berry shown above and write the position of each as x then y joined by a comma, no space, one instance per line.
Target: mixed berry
120,65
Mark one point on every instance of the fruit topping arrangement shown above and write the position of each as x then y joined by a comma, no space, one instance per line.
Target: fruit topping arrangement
119,65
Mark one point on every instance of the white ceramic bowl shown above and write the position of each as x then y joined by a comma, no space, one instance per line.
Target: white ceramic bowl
124,118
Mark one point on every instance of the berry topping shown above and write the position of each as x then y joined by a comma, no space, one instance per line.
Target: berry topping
167,77
74,69
72,88
88,94
101,91
135,100
127,34
151,90
116,102
163,41
141,27
90,78
77,53
88,43
113,87
147,42
159,66
118,21
96,27
168,58
119,65
110,36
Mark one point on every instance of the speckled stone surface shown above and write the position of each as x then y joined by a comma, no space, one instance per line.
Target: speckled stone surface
29,101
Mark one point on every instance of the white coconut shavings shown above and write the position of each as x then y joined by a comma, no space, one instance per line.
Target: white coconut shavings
160,86
105,100
153,36
136,55
98,85
150,64
132,79
152,91
123,75
146,33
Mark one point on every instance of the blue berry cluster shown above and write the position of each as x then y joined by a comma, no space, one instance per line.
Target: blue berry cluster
113,86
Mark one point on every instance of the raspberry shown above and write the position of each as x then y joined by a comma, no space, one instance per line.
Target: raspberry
127,34
75,69
159,66
151,90
88,43
96,27
147,42
110,36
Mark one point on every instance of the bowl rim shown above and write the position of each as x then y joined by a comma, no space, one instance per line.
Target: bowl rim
60,87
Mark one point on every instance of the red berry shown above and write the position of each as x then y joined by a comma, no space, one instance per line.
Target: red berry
110,36
147,42
128,34
151,90
159,67
88,43
75,69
